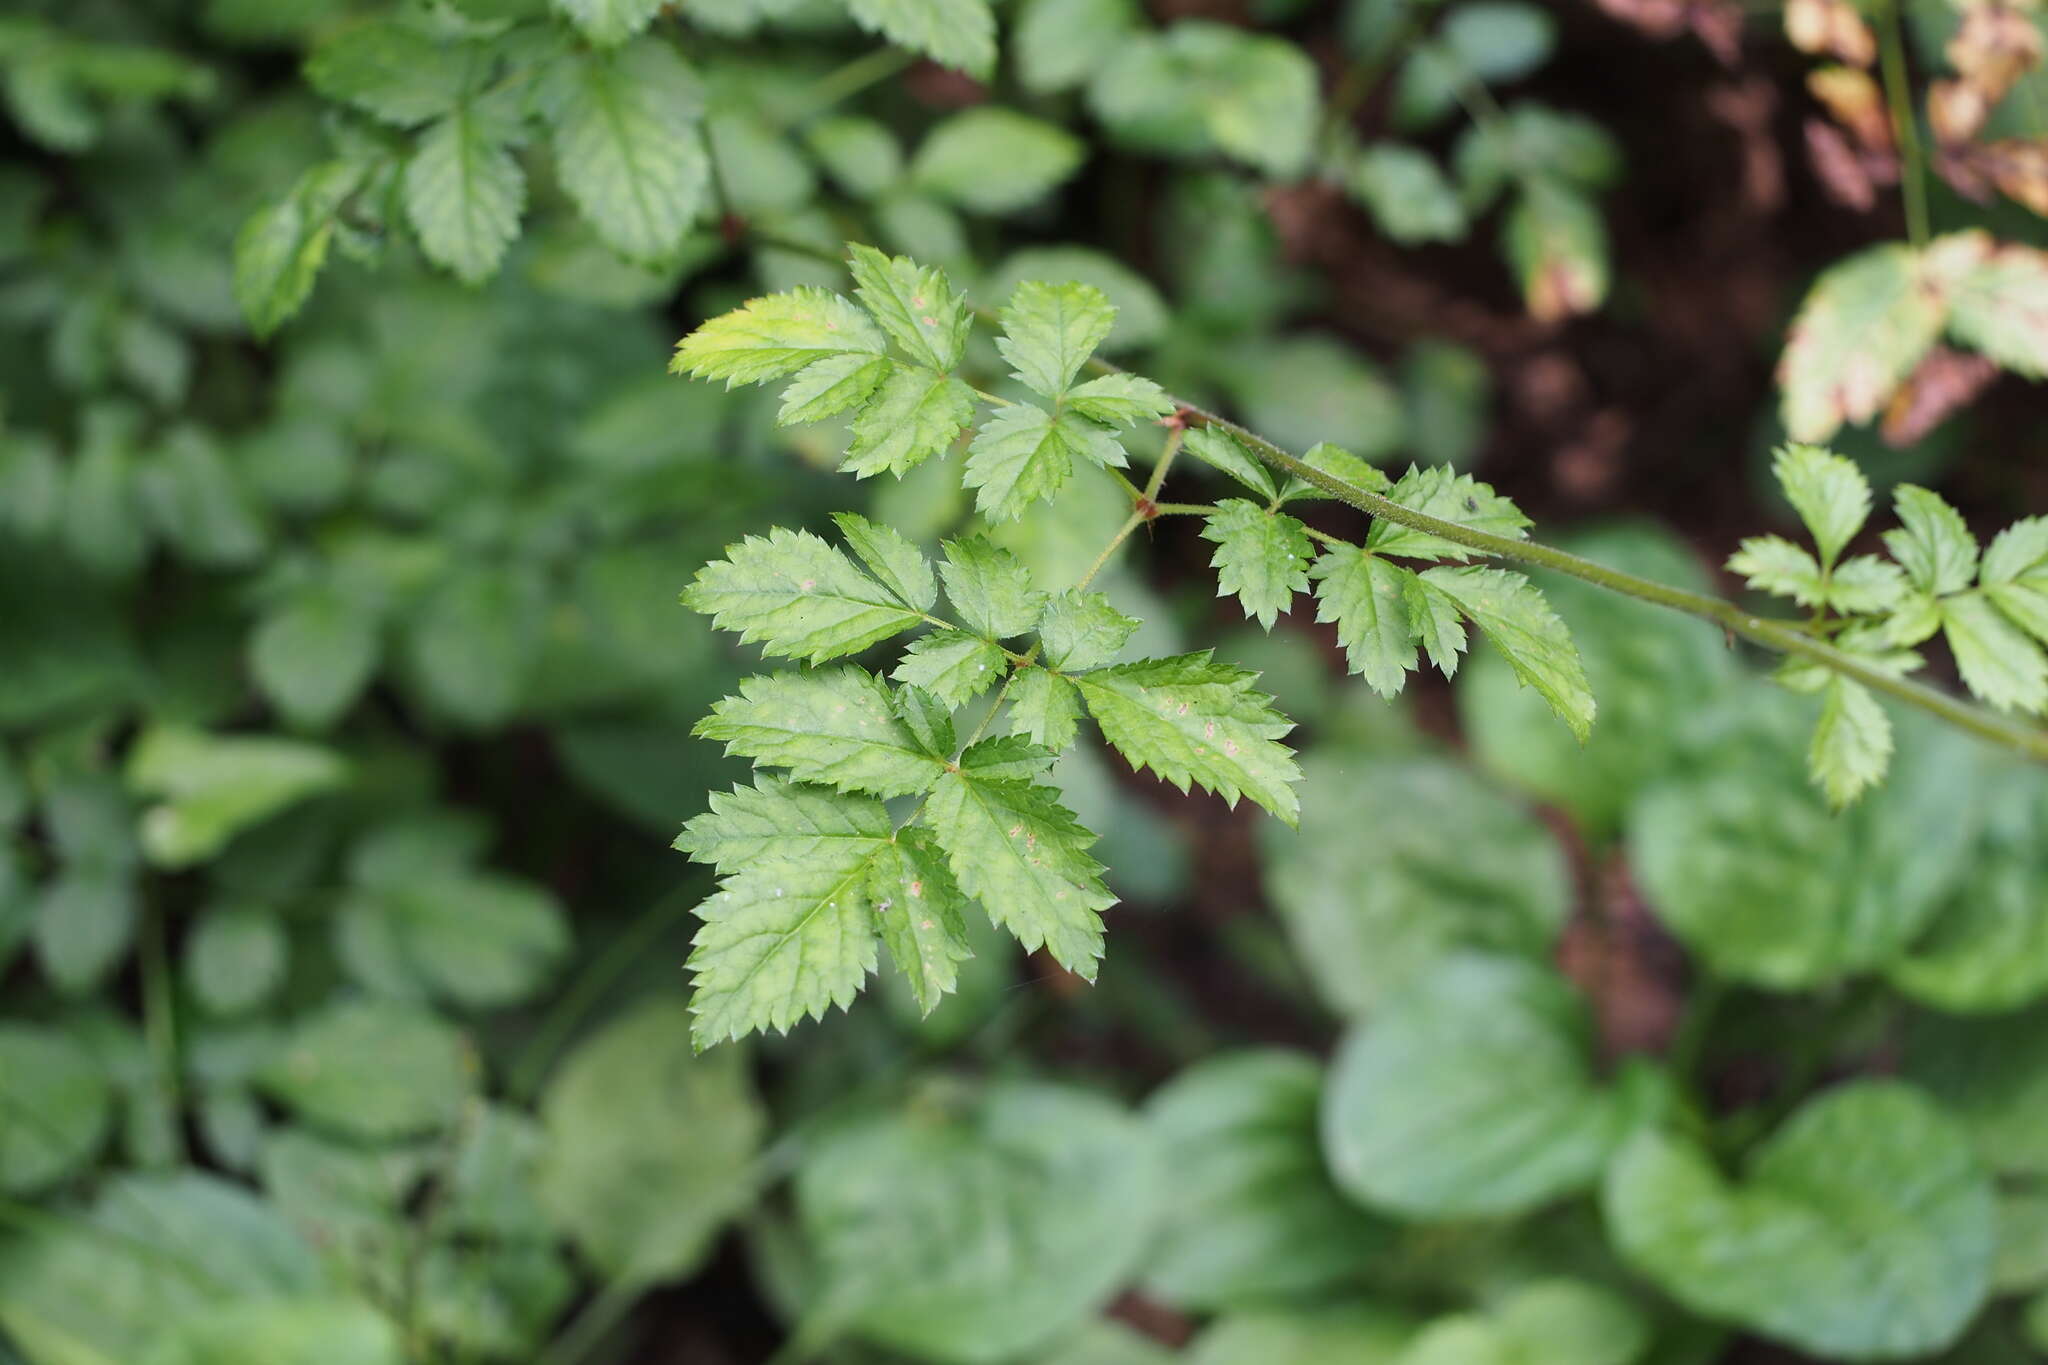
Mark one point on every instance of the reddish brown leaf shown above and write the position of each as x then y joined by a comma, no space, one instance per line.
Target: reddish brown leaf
1944,382
1850,177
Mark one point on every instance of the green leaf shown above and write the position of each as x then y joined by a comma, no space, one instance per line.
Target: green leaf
983,1225
235,958
994,160
956,33
797,597
1260,556
1571,1320
1192,719
952,665
1749,867
313,657
1344,1333
57,1110
84,923
1557,242
1408,194
1017,850
1514,1118
643,1206
1433,617
463,194
1438,492
1060,43
1932,544
372,1069
281,246
1119,400
918,912
1997,660
474,641
476,940
1867,322
860,153
1367,598
215,787
779,820
830,386
1045,707
1050,330
1829,492
1339,463
1775,565
916,305
1866,584
914,415
1852,742
1215,446
2020,550
1988,951
289,1331
990,588
1513,615
774,336
628,147
1867,1188
1081,630
390,69
1988,1075
899,565
1255,1216
836,726
1023,454
1997,304
608,22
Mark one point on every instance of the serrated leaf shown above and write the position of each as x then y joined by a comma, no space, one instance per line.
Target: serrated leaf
797,597
929,720
780,821
779,334
836,726
629,151
2021,548
1217,447
1828,491
995,160
914,304
918,910
1863,327
957,33
1119,400
1865,583
609,22
1775,565
1434,619
1045,708
1997,660
1022,854
1081,630
281,247
832,385
1050,330
1023,454
463,195
390,69
785,940
1932,544
1511,613
952,665
1852,742
1440,492
1367,598
900,566
1007,757
1191,719
914,415
990,588
1339,463
1260,556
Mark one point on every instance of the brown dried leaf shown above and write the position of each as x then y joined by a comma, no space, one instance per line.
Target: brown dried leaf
1945,382
1956,110
1830,28
2020,170
1856,103
1995,46
1849,176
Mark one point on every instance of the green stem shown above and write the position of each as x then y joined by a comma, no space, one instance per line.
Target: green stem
871,68
1131,523
1174,439
1786,637
160,1019
588,1329
1905,126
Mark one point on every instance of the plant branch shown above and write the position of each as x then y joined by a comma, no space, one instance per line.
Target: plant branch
1905,126
1784,637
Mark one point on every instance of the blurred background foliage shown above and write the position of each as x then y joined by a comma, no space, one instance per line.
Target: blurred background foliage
345,703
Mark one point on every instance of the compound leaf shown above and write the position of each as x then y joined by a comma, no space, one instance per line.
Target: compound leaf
1512,613
913,415
1050,330
957,33
1367,598
629,151
837,726
777,335
914,304
990,588
1261,556
797,597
